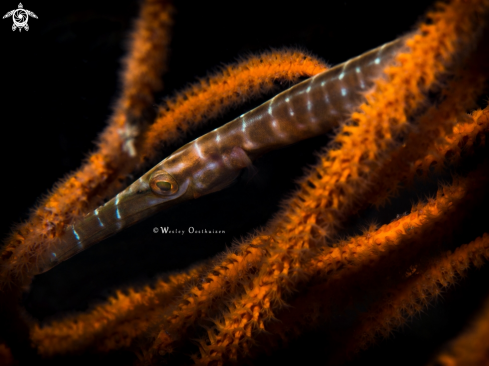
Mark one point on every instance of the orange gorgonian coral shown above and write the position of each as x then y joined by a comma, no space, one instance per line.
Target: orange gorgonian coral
308,268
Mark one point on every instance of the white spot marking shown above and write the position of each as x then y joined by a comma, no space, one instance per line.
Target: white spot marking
377,60
308,89
117,213
180,165
175,154
291,112
278,132
117,198
326,98
243,125
343,91
198,150
77,237
323,83
218,138
98,218
357,69
211,165
270,107
309,108
75,233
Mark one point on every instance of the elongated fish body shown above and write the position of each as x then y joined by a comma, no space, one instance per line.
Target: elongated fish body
308,109
211,162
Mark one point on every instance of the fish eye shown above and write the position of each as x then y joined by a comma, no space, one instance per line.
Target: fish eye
163,184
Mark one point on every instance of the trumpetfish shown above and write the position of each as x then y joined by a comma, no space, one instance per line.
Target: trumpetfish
213,161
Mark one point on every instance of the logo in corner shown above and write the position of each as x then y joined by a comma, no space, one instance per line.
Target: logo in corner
20,17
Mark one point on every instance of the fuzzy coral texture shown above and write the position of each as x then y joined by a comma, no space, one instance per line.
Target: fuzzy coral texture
396,270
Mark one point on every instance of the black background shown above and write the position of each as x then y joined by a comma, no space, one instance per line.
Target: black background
59,81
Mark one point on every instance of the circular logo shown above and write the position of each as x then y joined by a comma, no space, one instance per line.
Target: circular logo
20,17
155,230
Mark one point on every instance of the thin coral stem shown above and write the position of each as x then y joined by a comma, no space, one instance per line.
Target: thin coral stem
465,137
433,138
115,323
224,278
146,62
451,202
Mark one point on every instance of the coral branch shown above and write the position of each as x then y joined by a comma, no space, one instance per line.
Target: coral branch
143,68
433,138
464,139
113,324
